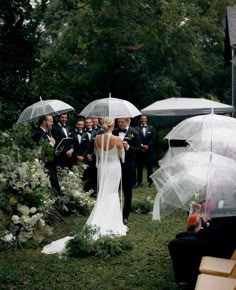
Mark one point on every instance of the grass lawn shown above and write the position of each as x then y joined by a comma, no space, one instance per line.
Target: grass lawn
147,266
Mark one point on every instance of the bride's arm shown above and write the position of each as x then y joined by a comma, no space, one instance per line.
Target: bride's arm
96,150
121,150
122,154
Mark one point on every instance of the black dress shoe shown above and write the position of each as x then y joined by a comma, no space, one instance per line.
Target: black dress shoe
125,222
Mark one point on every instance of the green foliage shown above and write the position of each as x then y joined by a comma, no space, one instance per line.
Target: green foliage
89,243
140,51
27,202
19,36
143,205
25,190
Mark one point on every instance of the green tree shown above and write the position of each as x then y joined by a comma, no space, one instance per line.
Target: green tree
18,50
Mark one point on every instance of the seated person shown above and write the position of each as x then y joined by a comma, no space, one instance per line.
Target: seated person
213,237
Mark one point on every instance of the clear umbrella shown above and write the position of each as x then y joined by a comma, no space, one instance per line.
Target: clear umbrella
196,176
190,126
110,107
41,108
221,141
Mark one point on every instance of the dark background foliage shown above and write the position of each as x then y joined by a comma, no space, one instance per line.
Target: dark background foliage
141,51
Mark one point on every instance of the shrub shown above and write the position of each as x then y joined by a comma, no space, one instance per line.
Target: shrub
142,206
89,243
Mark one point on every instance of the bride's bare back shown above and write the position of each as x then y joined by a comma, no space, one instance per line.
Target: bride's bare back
114,141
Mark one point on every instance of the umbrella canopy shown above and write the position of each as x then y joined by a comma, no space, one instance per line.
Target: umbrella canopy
196,176
110,107
187,128
221,141
41,108
185,106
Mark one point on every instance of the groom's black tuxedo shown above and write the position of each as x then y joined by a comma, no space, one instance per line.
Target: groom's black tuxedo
128,167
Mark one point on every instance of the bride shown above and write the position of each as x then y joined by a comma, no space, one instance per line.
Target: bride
106,215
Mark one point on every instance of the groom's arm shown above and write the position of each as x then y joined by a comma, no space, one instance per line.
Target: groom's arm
133,140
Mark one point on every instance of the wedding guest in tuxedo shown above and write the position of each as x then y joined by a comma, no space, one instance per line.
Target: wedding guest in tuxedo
64,154
146,155
96,125
43,132
90,174
132,145
216,239
81,141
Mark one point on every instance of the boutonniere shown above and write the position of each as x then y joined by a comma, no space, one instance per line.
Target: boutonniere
129,137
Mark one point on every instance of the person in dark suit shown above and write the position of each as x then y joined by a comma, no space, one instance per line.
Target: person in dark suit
145,156
96,126
81,141
63,155
43,132
216,239
90,174
132,145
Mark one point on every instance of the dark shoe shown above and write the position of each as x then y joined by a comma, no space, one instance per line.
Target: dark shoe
125,222
150,184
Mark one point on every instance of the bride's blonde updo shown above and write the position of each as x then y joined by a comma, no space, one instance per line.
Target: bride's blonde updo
107,123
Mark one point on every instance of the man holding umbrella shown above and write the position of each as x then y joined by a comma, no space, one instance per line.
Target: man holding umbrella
132,145
44,130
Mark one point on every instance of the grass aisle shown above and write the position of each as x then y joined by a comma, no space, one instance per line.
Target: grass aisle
147,266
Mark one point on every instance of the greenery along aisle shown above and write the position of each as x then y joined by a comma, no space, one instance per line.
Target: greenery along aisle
146,266
28,204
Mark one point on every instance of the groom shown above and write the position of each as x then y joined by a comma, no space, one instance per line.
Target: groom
132,145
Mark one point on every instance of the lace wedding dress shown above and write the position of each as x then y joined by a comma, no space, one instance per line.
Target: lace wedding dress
106,215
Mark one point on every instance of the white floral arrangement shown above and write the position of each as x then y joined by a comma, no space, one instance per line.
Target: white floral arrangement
73,197
25,195
27,201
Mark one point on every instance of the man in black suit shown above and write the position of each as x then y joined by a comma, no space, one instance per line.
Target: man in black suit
132,145
64,154
81,140
145,156
43,132
90,174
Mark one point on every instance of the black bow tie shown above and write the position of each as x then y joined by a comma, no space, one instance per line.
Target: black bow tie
63,126
144,126
90,131
79,133
123,130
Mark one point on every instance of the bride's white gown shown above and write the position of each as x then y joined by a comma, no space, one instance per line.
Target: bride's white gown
106,214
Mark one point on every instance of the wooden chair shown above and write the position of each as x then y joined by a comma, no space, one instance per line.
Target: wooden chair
219,266
212,282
